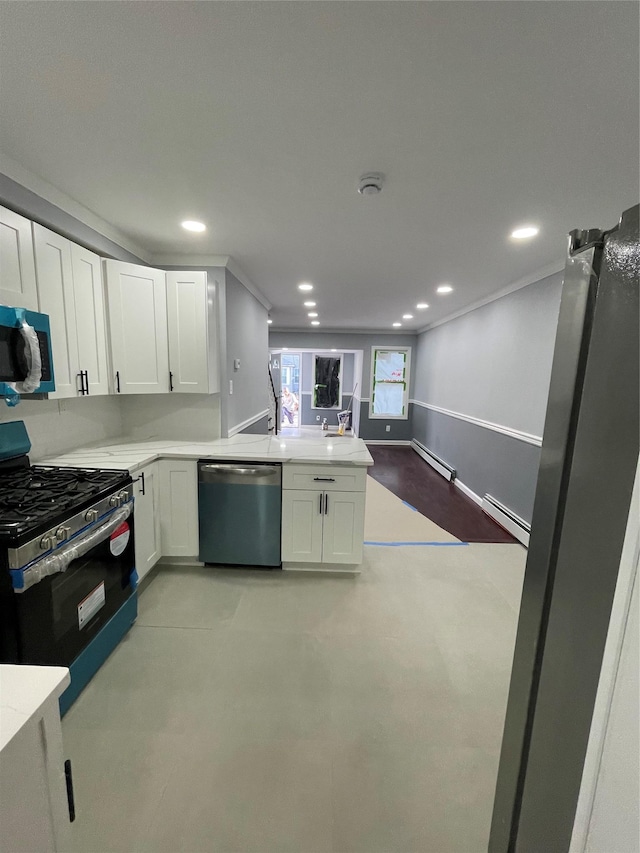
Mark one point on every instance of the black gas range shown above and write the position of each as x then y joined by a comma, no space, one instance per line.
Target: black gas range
67,565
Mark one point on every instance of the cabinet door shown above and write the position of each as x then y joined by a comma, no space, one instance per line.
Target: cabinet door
179,508
56,298
17,268
302,526
343,532
137,303
91,325
147,520
188,339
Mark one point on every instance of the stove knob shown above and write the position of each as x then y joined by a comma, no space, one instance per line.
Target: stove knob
91,515
124,497
62,533
114,500
46,543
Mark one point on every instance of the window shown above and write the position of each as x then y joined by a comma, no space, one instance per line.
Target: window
390,382
327,382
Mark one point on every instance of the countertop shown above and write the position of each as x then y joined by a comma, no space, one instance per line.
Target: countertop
133,455
23,692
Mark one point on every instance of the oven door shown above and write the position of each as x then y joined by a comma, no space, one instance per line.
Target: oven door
15,355
61,614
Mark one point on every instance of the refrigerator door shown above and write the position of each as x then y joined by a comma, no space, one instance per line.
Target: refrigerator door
585,480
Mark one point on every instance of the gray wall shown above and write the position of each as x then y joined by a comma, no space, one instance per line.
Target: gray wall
247,338
373,430
494,364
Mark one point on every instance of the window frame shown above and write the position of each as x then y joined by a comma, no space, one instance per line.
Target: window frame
407,379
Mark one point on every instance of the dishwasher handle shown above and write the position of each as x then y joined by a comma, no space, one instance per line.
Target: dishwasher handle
239,474
243,472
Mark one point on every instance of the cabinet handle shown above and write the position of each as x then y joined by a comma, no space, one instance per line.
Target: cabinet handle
117,381
324,479
81,376
170,381
69,782
326,503
320,507
86,382
141,480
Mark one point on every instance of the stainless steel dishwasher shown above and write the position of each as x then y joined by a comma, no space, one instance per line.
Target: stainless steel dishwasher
240,513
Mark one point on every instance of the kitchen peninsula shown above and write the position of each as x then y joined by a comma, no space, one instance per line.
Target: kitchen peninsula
323,494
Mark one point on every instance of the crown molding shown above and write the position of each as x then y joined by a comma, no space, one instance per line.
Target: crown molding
539,275
47,191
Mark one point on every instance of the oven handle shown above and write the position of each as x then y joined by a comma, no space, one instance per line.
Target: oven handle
62,559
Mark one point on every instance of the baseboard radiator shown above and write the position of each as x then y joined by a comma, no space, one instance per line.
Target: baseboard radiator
440,465
511,522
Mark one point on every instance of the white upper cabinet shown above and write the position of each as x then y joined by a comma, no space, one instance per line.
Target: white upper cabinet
17,269
137,303
91,321
192,334
55,295
70,292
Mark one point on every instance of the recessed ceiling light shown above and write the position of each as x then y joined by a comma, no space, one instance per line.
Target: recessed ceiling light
305,286
334,350
445,288
312,314
524,232
192,225
315,322
309,304
285,349
269,321
396,325
407,316
422,305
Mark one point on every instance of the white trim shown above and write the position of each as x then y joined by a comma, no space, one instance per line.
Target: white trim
52,194
467,491
506,518
439,464
387,441
518,434
337,330
191,260
252,420
539,275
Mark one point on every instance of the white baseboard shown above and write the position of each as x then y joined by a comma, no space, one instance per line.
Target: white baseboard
324,568
506,518
467,491
438,464
389,441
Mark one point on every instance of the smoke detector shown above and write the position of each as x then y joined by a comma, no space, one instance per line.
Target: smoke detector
371,183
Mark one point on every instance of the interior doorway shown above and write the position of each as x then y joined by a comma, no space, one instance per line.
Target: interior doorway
290,405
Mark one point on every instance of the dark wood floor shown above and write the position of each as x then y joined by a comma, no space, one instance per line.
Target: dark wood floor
409,477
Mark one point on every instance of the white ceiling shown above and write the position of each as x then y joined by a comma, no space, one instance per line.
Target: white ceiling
259,117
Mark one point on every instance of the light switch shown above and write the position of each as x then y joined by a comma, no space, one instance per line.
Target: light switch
236,364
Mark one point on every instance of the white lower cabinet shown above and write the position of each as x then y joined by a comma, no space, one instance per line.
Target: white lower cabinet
322,524
147,519
179,507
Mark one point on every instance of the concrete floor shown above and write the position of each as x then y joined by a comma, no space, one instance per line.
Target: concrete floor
257,711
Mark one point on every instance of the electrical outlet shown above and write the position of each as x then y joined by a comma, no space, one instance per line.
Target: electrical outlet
231,386
317,417
388,428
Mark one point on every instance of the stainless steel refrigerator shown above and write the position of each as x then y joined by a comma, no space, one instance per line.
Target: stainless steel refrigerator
587,468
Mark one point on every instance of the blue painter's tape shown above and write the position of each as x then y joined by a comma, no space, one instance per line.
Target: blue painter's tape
133,579
95,654
398,544
17,578
409,505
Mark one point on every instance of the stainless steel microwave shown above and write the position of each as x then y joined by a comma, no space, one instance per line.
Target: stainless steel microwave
26,363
